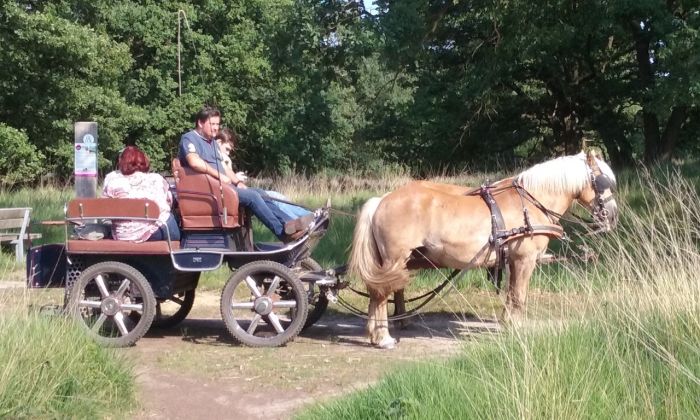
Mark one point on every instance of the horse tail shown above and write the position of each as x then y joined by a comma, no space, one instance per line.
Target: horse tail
365,258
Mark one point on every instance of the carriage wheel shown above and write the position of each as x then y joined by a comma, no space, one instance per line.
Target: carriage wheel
104,296
174,310
171,311
318,302
264,304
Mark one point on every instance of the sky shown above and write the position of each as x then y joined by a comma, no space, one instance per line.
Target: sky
369,6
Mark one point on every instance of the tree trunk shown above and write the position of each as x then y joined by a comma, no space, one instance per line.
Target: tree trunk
646,82
672,131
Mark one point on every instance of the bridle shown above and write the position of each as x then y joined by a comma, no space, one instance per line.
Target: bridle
600,182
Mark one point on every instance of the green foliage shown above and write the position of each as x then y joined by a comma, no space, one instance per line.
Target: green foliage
20,161
315,85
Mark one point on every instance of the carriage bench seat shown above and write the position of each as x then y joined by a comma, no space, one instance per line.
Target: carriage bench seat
204,203
113,246
87,210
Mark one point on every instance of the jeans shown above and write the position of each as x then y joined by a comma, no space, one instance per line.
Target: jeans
292,210
270,215
161,235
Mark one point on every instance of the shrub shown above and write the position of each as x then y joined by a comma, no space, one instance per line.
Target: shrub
20,161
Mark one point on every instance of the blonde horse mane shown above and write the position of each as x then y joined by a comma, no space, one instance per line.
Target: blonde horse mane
566,175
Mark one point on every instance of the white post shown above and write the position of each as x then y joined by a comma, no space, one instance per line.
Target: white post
85,168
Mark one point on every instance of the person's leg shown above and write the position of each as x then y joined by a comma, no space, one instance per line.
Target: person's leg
291,210
250,198
161,235
279,213
173,228
158,235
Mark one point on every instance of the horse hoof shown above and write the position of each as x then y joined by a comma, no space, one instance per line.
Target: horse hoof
387,343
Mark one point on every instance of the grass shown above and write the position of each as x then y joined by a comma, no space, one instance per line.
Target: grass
50,369
629,349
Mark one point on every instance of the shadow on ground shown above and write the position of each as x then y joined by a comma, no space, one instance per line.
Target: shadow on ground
338,328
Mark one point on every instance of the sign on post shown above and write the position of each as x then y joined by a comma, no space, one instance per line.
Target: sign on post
85,169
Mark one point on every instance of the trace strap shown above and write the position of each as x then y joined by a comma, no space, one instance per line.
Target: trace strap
408,314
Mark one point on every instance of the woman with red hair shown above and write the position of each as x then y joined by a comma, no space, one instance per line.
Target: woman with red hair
133,180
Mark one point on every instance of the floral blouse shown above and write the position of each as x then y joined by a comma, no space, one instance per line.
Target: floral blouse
138,185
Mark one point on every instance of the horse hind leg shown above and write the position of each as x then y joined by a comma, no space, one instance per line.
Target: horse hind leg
372,318
378,323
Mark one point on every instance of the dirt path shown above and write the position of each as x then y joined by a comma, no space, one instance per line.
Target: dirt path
197,371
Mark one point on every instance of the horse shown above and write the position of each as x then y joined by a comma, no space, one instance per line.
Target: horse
508,222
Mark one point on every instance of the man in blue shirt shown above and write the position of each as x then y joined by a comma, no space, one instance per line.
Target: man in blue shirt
199,151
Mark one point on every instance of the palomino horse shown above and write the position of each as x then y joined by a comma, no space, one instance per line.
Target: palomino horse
452,227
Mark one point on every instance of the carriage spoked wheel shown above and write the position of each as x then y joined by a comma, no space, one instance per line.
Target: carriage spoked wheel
171,311
174,310
318,302
264,304
103,298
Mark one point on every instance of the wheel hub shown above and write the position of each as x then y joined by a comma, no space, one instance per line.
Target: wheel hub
263,305
110,306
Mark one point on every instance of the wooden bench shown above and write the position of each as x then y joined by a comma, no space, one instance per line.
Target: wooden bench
14,229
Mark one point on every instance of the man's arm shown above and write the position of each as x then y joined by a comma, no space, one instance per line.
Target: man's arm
198,164
234,179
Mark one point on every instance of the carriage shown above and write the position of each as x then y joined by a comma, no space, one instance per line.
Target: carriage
118,290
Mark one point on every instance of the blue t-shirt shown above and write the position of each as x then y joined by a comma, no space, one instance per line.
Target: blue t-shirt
208,151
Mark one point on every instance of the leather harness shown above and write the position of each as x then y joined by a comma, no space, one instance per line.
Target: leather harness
500,236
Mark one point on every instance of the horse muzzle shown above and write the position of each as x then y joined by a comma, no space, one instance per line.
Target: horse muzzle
606,217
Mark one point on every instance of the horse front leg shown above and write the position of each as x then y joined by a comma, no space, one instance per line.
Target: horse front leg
378,323
400,309
516,299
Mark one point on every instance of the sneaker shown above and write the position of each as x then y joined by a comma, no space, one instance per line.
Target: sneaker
292,237
301,223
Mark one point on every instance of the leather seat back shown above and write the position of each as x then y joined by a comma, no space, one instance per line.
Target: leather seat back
202,200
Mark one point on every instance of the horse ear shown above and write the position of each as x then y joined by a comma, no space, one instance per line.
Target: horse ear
591,156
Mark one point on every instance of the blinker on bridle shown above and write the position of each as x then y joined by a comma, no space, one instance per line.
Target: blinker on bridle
600,183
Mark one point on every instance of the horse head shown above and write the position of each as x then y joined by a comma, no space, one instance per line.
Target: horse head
598,196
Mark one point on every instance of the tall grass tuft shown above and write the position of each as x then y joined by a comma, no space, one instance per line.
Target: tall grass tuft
631,351
50,369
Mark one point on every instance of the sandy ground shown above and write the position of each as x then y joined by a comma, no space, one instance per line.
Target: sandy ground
196,370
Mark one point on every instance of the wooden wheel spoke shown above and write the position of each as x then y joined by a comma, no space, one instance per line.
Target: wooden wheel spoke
273,286
122,288
253,286
121,325
254,324
100,281
275,321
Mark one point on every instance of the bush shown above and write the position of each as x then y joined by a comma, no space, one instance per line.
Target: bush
20,161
